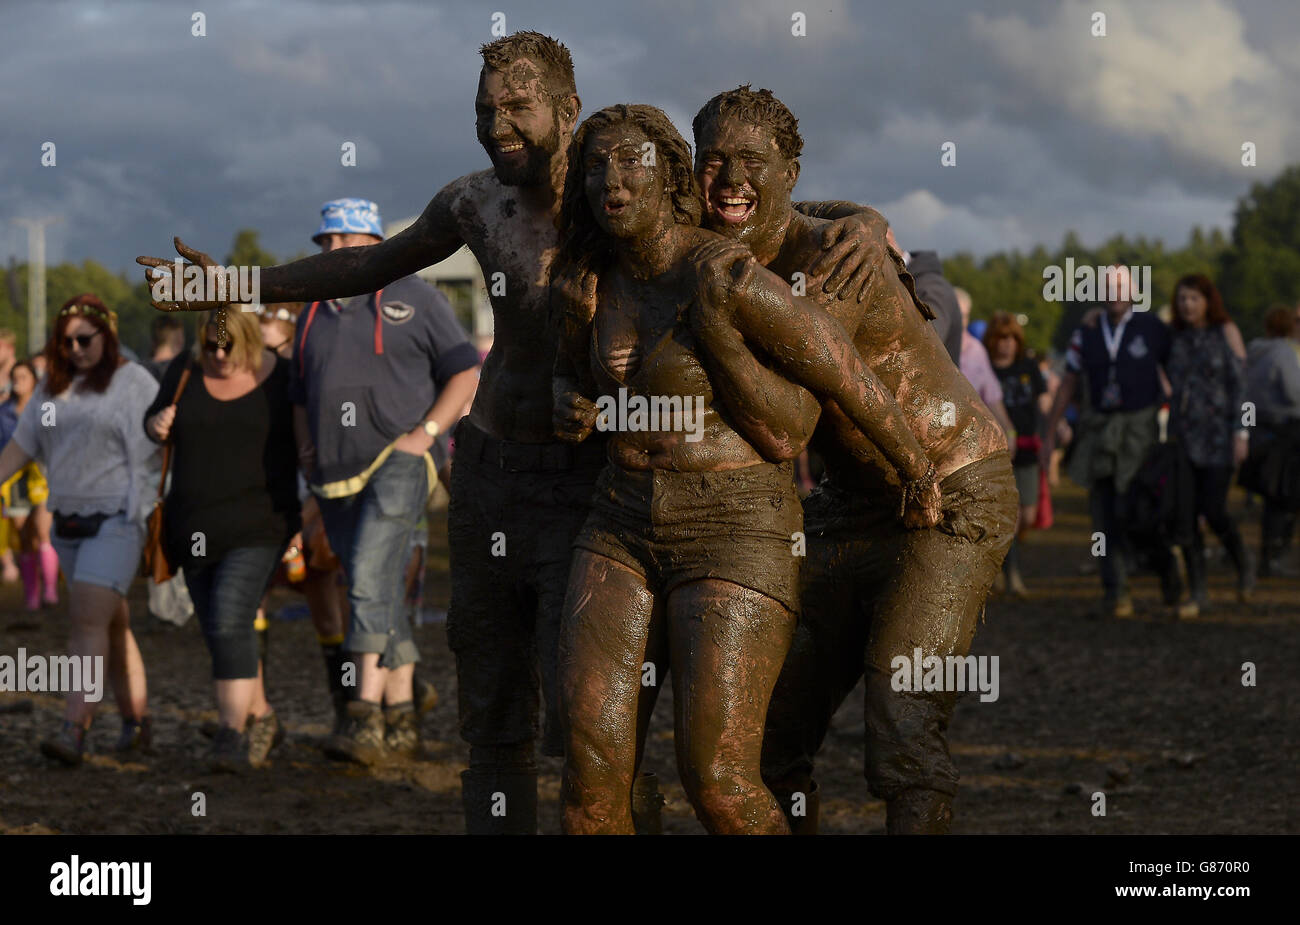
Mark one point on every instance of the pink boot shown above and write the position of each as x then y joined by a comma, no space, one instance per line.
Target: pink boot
50,574
29,566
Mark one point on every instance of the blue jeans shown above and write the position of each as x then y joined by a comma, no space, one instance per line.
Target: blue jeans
370,532
226,596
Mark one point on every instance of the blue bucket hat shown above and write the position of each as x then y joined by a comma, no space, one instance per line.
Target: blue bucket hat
349,216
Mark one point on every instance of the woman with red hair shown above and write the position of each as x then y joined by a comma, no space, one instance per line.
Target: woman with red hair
1206,370
83,425
1022,389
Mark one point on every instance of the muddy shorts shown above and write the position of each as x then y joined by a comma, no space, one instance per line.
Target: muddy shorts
515,510
677,527
874,590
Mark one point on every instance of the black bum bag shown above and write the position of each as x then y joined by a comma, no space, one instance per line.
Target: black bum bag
78,526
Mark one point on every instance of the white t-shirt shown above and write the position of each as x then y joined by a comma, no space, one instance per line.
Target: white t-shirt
92,445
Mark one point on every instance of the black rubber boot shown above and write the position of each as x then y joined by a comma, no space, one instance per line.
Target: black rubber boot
647,803
1244,561
499,802
1171,582
919,812
1197,579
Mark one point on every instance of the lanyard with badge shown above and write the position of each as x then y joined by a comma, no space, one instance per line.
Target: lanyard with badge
1111,399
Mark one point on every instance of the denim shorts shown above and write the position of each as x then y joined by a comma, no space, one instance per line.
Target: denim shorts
109,559
371,532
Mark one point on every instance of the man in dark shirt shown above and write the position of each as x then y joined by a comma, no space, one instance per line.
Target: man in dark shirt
374,380
933,288
1121,358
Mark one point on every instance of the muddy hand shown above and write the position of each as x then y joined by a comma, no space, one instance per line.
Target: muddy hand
573,296
574,417
843,269
724,268
163,280
924,510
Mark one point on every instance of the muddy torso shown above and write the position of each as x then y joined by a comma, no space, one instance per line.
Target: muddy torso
513,400
641,342
906,354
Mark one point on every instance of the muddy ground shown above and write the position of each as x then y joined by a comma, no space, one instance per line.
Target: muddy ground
1150,712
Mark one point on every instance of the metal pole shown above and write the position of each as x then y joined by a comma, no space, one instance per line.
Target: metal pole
36,281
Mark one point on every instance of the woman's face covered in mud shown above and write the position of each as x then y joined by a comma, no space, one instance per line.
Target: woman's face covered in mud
517,123
623,185
745,180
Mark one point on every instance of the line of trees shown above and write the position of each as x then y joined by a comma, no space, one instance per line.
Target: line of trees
1258,267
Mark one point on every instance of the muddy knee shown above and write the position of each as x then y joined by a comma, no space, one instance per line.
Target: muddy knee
729,800
906,740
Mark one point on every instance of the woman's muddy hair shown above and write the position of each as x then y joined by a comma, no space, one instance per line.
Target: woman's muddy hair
582,242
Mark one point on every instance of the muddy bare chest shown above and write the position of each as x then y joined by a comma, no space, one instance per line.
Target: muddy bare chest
645,344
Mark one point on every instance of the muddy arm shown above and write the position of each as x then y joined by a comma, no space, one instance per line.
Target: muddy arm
572,308
776,415
832,209
349,271
813,349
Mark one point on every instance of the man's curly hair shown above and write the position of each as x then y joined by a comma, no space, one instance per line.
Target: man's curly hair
758,107
583,244
550,54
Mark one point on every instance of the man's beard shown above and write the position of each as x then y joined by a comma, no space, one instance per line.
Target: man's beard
536,168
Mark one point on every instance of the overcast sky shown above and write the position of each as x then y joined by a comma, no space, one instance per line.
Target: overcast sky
161,133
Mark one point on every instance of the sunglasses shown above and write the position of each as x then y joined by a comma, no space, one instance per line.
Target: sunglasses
280,314
81,340
211,346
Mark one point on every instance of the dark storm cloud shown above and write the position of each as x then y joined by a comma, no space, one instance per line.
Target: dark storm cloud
162,133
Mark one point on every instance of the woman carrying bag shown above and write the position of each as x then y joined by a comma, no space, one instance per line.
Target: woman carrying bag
81,426
230,511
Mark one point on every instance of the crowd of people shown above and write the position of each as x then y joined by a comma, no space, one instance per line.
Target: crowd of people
304,437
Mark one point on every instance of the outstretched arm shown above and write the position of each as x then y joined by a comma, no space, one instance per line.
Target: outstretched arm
338,274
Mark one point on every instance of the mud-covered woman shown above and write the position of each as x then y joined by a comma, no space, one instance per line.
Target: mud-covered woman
691,546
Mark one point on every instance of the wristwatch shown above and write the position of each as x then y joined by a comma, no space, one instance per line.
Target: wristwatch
431,428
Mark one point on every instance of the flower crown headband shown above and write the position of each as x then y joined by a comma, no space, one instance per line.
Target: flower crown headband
107,317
